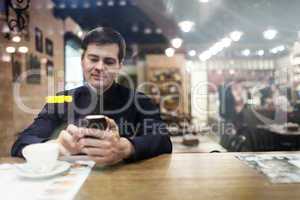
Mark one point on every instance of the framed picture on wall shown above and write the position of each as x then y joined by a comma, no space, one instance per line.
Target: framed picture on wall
38,40
33,70
49,68
49,47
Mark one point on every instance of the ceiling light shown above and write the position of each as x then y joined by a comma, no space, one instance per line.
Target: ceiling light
147,31
277,49
170,52
73,5
176,42
235,35
274,51
204,1
192,53
16,39
99,3
281,48
246,52
205,56
232,71
122,3
86,5
23,49
110,3
261,52
134,28
186,26
226,42
10,49
216,48
221,45
158,31
62,6
270,34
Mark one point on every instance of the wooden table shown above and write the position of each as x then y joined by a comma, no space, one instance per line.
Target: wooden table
184,176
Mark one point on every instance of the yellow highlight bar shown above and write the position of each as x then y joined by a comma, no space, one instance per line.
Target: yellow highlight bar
59,99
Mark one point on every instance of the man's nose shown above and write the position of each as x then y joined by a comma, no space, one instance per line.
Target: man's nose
100,65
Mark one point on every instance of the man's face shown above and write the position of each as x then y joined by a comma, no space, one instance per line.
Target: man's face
101,65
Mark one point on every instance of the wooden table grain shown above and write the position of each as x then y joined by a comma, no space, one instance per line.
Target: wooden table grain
218,176
185,176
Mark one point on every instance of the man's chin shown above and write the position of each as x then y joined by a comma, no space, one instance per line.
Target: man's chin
100,85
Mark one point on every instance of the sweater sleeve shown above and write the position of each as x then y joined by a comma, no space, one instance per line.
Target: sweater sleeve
152,138
39,131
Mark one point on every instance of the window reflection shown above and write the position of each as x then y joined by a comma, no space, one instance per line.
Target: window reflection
225,70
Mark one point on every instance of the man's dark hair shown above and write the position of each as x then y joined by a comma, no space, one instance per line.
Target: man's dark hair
102,36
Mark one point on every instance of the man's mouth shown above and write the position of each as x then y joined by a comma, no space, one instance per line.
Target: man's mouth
98,77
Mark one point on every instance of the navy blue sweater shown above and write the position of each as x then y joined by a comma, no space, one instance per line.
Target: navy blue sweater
137,117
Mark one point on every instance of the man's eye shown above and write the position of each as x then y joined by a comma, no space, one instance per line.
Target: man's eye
94,60
109,61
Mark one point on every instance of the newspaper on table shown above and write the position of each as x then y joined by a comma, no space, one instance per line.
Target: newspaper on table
278,168
62,187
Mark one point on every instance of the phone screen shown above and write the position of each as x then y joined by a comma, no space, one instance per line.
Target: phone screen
94,121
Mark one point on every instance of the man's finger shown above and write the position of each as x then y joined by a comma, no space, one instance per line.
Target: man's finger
67,140
111,124
72,129
97,152
89,142
102,161
75,131
96,133
78,135
111,136
64,151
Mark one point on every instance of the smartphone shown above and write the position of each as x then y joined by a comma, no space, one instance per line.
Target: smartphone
94,121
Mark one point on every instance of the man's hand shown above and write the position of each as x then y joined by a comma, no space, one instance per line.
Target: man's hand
106,147
68,140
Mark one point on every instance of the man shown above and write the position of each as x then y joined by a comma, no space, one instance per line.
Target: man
135,130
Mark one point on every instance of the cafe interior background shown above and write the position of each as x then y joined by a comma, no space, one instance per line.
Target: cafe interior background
186,52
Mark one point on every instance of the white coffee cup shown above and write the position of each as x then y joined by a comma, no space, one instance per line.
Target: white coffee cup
41,157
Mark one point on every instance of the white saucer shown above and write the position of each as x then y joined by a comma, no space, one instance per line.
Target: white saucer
60,168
